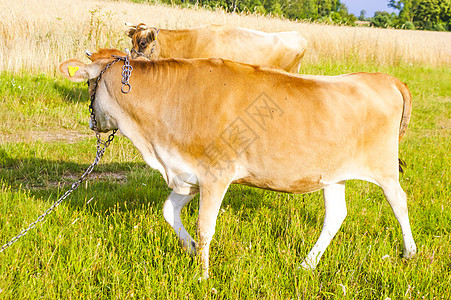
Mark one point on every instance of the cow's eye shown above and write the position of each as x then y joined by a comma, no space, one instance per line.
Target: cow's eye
142,43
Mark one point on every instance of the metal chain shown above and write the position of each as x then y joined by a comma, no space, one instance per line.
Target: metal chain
75,185
126,73
101,147
93,96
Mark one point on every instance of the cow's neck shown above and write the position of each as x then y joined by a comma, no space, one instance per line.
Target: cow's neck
142,115
175,43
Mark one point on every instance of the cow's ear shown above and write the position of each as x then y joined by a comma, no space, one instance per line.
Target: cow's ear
130,32
77,71
74,70
152,35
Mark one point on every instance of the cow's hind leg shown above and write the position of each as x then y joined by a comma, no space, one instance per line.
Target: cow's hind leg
335,206
171,211
398,202
210,201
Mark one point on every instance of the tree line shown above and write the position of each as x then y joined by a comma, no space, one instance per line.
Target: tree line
416,14
412,14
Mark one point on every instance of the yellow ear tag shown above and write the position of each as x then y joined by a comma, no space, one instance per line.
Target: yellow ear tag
72,70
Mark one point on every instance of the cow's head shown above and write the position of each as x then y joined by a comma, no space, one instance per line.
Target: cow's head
143,38
77,71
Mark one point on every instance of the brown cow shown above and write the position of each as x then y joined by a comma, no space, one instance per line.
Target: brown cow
207,123
280,49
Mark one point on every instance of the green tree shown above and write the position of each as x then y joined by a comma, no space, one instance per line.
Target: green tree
276,9
310,9
445,14
322,10
424,14
325,7
382,19
295,10
362,15
428,15
405,8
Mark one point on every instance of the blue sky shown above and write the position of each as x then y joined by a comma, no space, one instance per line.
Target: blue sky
355,6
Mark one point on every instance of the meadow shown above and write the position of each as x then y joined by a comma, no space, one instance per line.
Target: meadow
109,240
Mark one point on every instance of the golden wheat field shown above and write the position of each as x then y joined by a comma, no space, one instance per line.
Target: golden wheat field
37,35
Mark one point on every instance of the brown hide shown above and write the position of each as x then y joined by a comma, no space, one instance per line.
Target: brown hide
299,131
282,49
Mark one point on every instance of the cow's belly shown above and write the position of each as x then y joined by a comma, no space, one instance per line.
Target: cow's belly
300,185
300,176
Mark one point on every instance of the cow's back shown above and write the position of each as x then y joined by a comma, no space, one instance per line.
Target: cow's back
281,49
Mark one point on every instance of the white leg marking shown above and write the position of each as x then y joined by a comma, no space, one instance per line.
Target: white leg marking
171,212
398,202
335,205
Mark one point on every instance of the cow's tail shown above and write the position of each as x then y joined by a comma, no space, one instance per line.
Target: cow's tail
407,109
405,119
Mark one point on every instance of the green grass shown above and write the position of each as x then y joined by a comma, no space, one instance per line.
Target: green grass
109,240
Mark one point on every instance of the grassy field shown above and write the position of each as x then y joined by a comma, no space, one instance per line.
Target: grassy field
109,239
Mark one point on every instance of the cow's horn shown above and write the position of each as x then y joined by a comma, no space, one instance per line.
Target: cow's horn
88,54
130,24
143,27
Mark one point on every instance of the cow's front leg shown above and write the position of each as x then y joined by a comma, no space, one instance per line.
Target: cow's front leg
171,211
335,205
209,204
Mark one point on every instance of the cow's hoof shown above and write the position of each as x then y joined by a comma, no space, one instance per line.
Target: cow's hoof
189,247
410,251
409,255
